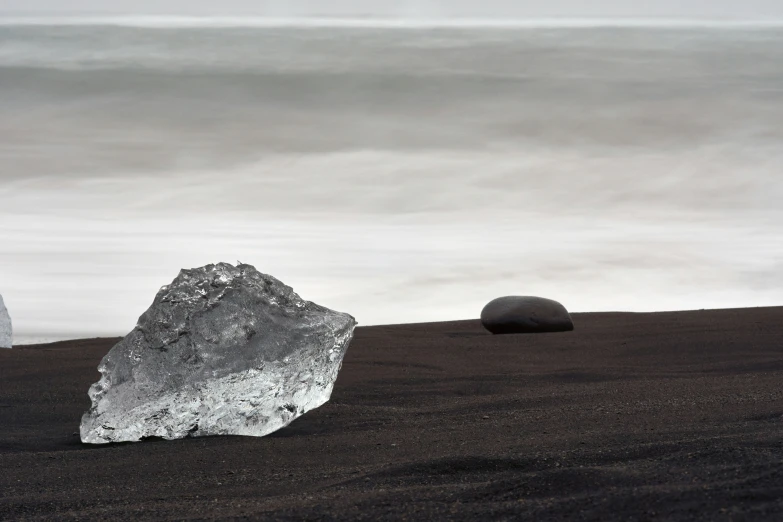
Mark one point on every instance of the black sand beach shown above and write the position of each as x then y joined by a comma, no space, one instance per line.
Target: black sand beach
675,416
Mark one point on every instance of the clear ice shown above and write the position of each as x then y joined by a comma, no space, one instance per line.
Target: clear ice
223,350
6,331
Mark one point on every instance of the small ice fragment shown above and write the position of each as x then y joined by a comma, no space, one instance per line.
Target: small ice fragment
6,330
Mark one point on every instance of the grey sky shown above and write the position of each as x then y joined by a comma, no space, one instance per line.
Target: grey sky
733,9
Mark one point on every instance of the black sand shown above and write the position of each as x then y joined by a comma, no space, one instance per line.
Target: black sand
673,416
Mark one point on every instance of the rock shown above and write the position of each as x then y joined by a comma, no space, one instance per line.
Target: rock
6,331
525,314
223,350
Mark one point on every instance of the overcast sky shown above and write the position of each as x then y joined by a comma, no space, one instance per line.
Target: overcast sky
735,9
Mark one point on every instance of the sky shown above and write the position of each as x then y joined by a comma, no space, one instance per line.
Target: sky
485,9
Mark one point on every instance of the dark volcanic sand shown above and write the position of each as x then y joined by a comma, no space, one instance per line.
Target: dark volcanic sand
629,417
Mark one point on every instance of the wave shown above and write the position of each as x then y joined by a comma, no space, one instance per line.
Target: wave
144,21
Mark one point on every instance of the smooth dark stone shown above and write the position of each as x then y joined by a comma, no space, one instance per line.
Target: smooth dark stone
525,314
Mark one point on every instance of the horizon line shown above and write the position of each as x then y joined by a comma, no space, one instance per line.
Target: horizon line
174,21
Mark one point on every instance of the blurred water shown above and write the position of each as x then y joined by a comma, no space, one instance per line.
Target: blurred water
399,174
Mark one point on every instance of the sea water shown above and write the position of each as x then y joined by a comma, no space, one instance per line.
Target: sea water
401,174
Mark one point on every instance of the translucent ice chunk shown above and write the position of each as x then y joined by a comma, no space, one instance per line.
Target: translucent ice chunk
223,350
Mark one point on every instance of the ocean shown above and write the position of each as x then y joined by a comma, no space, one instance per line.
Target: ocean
397,173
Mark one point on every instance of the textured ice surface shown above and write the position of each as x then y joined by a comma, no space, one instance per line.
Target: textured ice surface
223,350
6,332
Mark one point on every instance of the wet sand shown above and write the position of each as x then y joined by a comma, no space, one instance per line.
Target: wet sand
675,415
